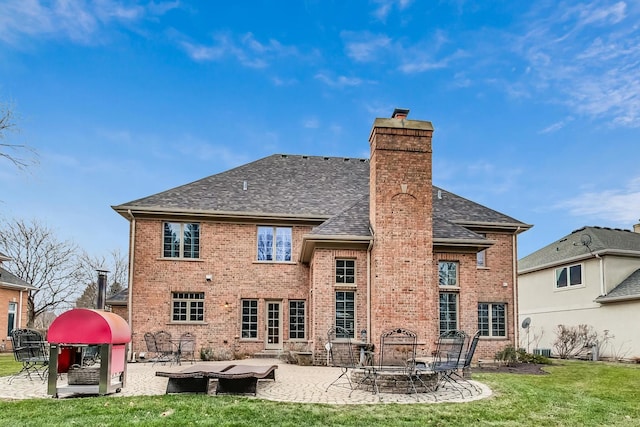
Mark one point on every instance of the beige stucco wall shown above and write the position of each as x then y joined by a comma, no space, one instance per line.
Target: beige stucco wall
548,307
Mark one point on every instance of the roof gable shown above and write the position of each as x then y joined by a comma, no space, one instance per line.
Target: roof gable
583,242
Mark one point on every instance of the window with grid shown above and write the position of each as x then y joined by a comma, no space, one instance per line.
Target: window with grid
346,271
296,320
188,307
249,318
569,276
274,243
181,240
11,318
447,273
448,312
346,311
481,256
492,319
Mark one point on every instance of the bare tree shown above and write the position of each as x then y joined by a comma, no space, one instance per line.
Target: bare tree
42,260
11,151
115,263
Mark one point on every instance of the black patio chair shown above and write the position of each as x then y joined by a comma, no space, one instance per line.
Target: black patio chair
398,358
341,354
152,349
464,365
447,358
165,347
30,349
187,347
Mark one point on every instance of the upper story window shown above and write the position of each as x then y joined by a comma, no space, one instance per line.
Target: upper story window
181,240
569,276
448,273
274,243
481,256
346,271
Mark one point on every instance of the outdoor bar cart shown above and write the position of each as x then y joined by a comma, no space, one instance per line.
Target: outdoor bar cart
80,332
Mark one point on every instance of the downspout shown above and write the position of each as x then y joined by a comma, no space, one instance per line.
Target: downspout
516,322
369,290
132,233
20,310
603,291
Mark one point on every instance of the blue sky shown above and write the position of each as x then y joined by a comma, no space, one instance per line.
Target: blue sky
536,105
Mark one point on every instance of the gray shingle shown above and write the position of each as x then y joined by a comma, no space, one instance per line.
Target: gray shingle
629,288
334,188
571,246
9,280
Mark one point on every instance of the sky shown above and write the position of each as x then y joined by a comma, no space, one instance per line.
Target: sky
535,105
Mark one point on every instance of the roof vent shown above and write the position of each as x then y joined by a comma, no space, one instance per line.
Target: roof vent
244,185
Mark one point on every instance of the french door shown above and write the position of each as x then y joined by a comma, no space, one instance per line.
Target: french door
273,322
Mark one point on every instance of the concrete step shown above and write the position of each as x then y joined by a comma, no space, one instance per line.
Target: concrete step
268,354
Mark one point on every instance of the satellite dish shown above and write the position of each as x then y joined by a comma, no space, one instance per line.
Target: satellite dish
526,322
585,239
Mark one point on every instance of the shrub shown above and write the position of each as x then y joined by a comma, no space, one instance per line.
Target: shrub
209,354
572,340
510,356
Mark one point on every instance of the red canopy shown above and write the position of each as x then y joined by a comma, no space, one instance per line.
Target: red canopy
85,326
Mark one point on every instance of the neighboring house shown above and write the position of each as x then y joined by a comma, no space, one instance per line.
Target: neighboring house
14,293
269,255
591,277
118,303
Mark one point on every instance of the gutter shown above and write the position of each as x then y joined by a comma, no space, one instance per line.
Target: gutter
618,299
243,215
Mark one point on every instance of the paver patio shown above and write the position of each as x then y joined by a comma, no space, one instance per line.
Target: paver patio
302,384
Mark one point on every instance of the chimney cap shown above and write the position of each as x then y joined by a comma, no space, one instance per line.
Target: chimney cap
400,113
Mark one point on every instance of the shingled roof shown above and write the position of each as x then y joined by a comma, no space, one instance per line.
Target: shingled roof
582,243
628,289
333,191
9,280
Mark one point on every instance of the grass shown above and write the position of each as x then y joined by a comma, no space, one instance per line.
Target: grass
8,364
574,394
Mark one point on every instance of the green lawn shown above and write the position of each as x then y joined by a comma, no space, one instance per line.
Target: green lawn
8,365
574,394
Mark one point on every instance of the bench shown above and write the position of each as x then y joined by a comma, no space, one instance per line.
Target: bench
232,379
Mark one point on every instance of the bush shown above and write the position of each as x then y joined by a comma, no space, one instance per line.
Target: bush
572,340
209,354
510,356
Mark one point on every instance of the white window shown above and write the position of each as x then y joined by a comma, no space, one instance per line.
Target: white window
181,240
569,276
346,271
11,320
448,273
188,307
274,243
448,312
346,311
492,319
249,318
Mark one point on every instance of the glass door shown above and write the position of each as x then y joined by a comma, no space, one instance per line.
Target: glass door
274,331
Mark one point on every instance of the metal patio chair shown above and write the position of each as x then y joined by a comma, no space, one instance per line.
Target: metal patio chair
187,347
165,347
30,349
447,358
398,348
341,354
465,364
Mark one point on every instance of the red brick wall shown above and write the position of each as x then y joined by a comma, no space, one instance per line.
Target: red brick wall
6,296
228,253
401,217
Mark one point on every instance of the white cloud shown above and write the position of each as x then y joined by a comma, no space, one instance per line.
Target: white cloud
617,205
588,57
340,81
556,126
365,46
246,49
311,123
79,21
384,7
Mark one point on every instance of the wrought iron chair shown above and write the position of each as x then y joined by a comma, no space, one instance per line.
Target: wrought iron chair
187,347
447,357
152,349
465,364
398,357
30,349
164,347
341,354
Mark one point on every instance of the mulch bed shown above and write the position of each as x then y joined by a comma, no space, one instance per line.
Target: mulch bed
518,368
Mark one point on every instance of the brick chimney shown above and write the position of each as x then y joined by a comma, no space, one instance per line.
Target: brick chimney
400,189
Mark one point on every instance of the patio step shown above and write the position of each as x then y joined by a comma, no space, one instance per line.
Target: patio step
268,354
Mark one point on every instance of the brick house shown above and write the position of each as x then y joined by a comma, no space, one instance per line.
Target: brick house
271,254
14,295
